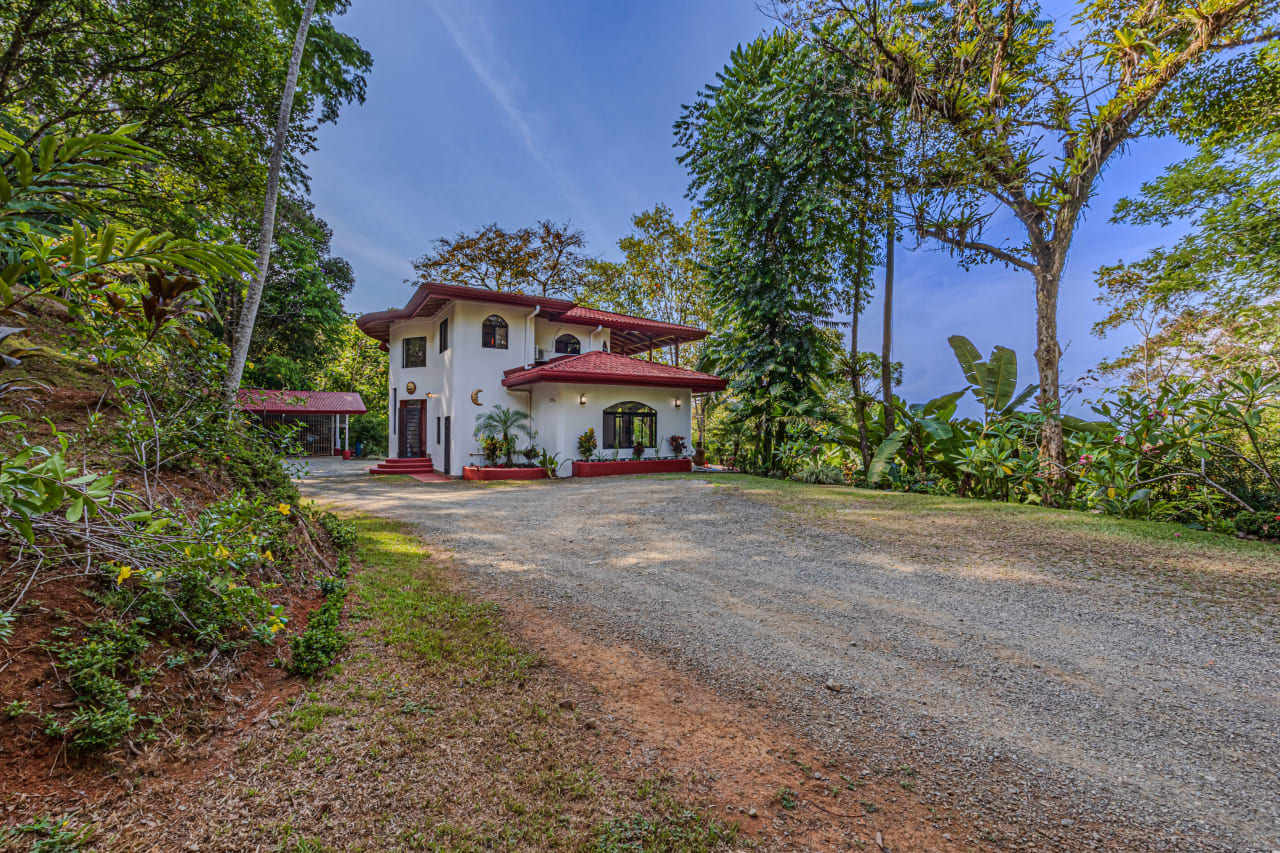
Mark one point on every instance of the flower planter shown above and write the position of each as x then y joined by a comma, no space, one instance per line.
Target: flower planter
475,472
631,466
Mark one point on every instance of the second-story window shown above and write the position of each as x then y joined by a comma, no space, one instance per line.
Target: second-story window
444,334
415,352
494,335
568,345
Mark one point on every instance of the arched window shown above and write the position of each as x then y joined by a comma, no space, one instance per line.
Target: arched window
629,424
494,335
568,345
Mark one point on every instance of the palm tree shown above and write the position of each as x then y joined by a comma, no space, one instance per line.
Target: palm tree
504,423
249,311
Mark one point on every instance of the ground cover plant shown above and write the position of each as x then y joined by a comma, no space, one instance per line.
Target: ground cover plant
437,730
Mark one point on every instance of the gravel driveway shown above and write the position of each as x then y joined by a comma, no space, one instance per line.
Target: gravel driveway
1080,717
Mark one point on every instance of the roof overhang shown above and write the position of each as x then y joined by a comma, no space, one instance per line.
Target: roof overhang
271,402
585,377
631,335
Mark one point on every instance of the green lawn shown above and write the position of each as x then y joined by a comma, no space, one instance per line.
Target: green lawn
958,531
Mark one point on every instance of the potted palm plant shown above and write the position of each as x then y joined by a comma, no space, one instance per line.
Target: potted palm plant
504,425
497,431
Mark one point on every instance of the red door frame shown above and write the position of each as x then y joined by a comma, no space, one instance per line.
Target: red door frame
422,426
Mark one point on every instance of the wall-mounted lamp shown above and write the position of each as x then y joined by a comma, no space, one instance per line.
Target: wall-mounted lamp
679,402
582,399
430,395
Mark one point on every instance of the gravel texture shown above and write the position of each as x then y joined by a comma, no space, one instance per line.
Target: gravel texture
1071,713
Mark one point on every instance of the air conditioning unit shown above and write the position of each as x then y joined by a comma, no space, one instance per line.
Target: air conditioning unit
539,354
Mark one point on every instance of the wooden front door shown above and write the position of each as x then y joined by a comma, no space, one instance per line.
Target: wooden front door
413,429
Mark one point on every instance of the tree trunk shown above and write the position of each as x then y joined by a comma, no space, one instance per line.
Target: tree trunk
859,403
886,347
243,333
1048,355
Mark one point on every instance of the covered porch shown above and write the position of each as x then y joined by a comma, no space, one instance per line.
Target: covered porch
322,418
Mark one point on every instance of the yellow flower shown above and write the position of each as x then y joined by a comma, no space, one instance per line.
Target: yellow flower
270,557
283,509
275,626
187,550
249,364
231,586
125,573
221,553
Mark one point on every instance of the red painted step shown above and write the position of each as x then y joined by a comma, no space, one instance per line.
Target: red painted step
411,466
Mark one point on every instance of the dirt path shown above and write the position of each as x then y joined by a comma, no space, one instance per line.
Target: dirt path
1054,707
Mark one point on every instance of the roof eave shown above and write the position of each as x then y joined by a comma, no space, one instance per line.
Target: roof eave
588,378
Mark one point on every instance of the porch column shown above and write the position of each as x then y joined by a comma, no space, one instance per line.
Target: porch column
346,432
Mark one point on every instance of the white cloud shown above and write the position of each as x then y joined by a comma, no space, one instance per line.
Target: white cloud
478,47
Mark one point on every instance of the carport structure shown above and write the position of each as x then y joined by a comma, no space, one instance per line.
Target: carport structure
324,415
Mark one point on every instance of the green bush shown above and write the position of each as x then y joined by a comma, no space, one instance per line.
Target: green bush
97,668
341,532
830,475
1263,524
318,646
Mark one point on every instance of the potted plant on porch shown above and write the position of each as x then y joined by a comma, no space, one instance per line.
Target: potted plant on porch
589,465
497,431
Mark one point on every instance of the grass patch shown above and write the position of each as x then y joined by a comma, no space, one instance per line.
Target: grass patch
684,831
848,503
406,594
309,716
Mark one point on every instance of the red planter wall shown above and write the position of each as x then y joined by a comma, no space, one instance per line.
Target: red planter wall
631,466
472,472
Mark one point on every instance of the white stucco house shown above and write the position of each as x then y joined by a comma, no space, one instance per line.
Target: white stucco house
455,352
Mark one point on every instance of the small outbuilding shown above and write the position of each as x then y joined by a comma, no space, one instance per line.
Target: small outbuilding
325,416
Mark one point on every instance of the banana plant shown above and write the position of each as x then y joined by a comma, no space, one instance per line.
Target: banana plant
993,381
923,425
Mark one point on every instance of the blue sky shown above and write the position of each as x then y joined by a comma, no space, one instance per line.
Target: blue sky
493,110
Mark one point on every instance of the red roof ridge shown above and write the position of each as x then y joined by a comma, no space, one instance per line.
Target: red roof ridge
606,368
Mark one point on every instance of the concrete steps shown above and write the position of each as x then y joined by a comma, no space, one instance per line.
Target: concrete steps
421,465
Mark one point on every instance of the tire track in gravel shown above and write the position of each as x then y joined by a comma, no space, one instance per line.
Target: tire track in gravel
1159,725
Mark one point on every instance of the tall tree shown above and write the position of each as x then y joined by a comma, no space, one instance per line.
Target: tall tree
200,80
301,318
1206,305
886,347
660,275
1013,113
558,261
243,329
777,199
548,257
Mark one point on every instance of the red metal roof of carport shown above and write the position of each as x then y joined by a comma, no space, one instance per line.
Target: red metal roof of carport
265,401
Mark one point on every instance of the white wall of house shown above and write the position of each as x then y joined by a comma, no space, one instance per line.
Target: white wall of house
560,417
467,366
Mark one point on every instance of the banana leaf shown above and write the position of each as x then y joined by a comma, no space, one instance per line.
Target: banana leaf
1000,380
969,357
943,407
1019,400
884,456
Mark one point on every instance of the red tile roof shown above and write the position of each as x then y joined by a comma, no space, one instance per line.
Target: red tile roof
606,368
301,402
610,320
631,334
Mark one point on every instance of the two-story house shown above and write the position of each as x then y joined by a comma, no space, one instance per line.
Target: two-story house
457,351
